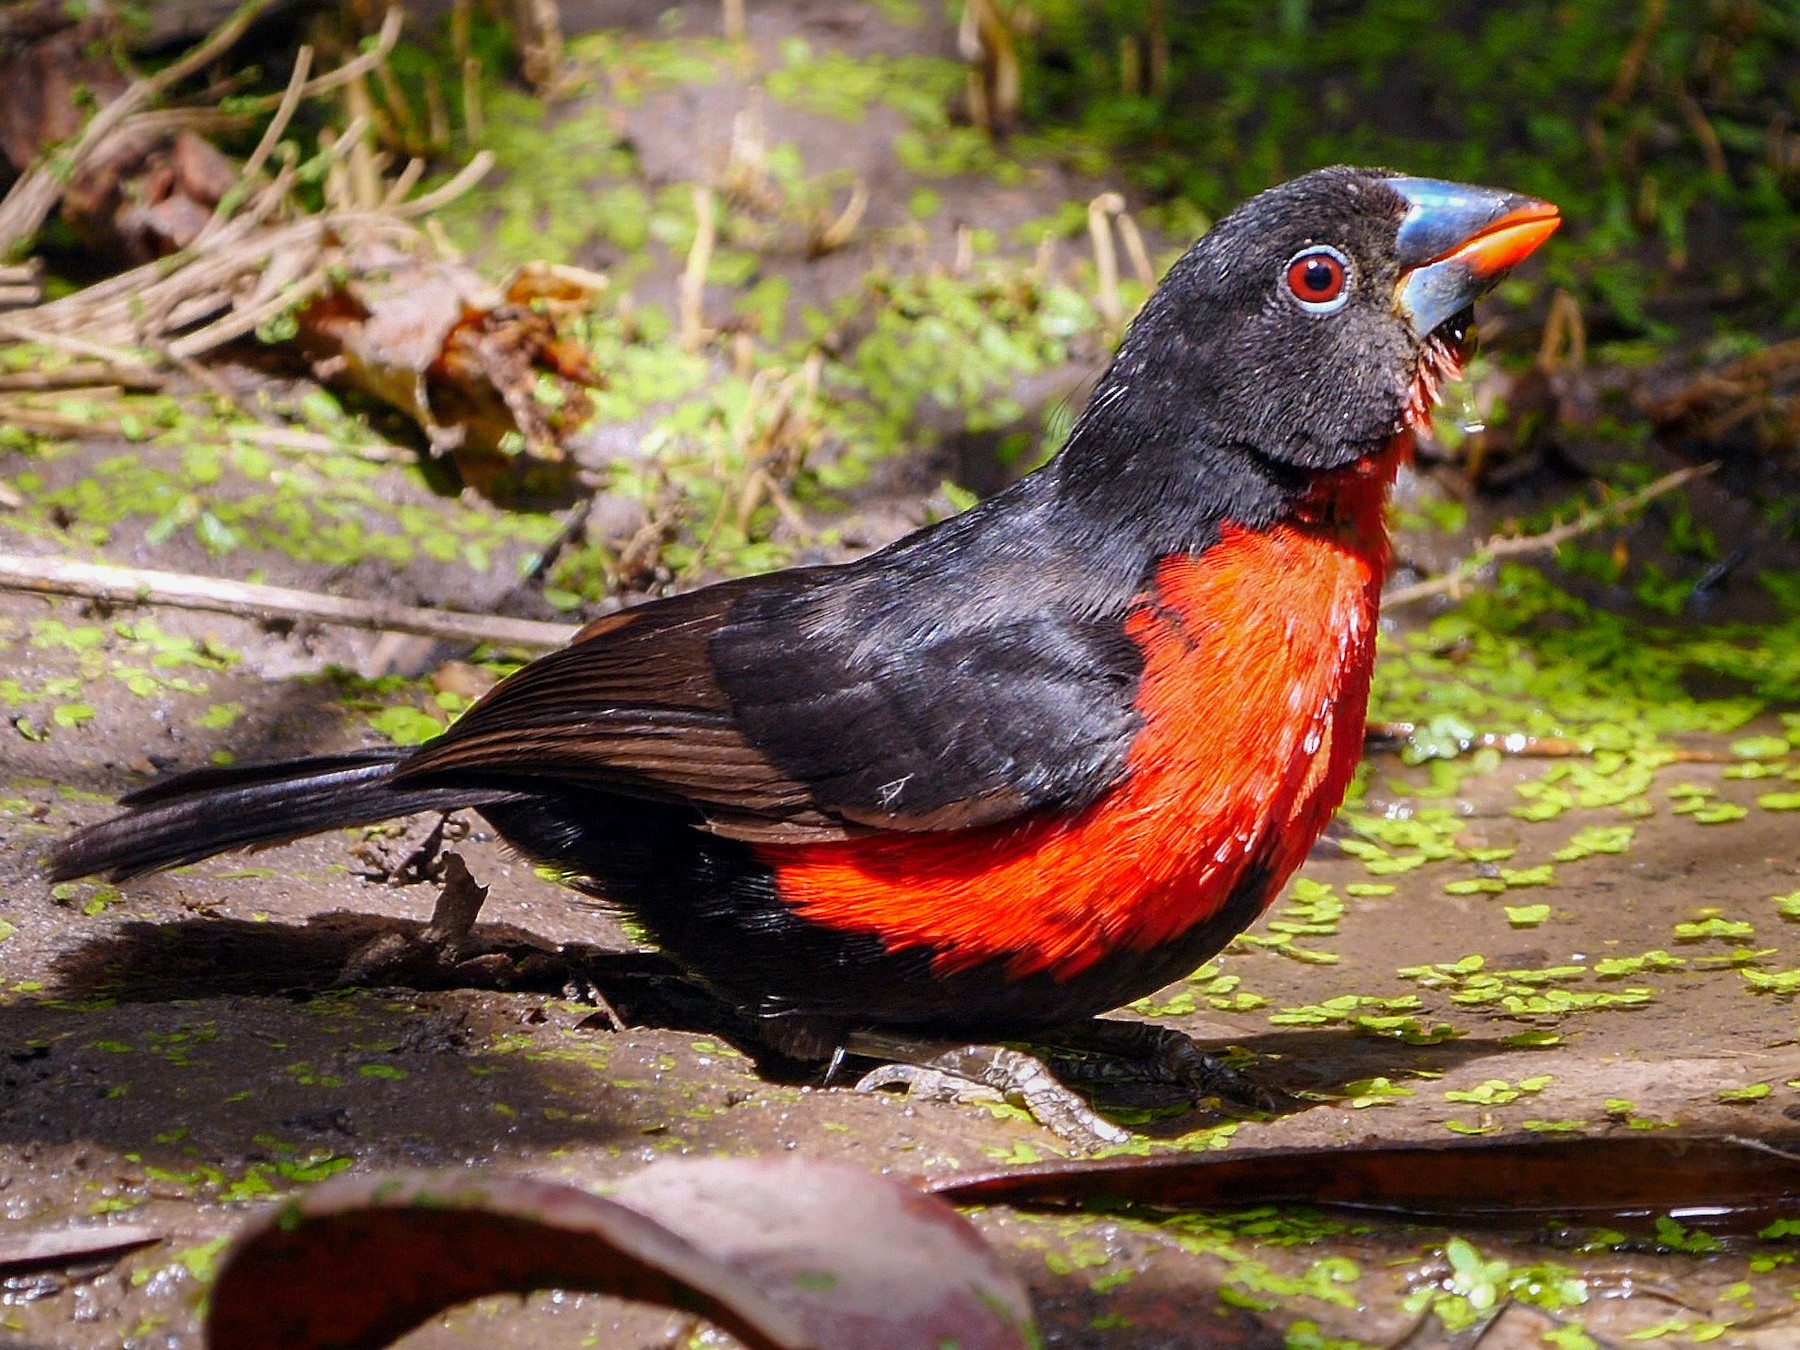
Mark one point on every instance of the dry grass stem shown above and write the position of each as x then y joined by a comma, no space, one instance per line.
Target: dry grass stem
693,276
1106,256
841,230
1452,582
1133,239
1565,334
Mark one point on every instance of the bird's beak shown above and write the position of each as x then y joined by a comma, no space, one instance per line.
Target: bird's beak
1457,241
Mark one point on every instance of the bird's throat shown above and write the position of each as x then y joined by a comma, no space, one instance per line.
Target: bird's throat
1348,507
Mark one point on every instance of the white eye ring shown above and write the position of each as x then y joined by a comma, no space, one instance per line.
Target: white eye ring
1317,279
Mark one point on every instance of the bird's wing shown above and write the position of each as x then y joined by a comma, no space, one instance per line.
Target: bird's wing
802,706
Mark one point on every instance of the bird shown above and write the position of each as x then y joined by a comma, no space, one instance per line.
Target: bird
1027,764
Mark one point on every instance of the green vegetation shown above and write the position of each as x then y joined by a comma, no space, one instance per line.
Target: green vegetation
1659,128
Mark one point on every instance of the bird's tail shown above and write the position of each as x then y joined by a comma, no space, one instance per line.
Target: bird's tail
196,815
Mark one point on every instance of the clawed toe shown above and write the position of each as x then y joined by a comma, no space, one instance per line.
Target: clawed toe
939,1071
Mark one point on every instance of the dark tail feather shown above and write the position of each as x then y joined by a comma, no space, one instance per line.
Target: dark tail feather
196,815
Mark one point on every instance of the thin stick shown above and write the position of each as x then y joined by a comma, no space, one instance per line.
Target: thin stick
14,327
235,325
1513,545
284,113
1133,239
294,440
132,585
82,375
838,233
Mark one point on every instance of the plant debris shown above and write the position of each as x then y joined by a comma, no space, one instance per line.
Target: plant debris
1727,1186
785,1254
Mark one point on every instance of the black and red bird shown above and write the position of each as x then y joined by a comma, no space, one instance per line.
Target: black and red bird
1028,764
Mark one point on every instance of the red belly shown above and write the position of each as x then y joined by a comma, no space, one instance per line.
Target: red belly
1257,657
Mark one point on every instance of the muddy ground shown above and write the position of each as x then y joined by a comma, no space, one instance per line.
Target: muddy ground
175,1052
180,1050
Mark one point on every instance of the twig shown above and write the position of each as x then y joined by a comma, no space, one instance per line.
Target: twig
311,442
132,585
1565,334
1512,545
1133,239
82,375
40,187
365,191
1698,123
385,38
15,327
239,322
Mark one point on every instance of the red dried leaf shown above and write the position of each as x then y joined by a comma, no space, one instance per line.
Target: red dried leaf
862,1260
781,1254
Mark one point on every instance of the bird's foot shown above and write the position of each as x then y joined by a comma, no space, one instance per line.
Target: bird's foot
940,1070
1108,1050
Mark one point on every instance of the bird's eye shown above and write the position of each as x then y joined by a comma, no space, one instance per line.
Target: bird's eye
1316,279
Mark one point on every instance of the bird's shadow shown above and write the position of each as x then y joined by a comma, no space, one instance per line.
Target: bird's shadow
142,962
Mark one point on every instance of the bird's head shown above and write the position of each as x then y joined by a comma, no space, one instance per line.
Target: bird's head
1317,320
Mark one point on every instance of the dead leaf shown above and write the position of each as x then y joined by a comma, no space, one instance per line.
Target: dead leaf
67,1246
147,193
465,361
56,65
782,1254
1729,1186
862,1260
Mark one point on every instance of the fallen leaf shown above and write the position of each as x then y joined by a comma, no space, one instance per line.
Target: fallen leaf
863,1261
66,1246
1723,1185
781,1253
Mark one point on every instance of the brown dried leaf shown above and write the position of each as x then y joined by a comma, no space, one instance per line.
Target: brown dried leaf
67,1246
1730,1186
436,341
55,66
782,1253
146,194
863,1261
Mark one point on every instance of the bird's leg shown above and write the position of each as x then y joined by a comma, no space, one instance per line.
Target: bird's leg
982,1072
1115,1050
441,944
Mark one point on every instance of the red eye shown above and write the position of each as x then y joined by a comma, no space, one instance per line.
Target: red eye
1316,277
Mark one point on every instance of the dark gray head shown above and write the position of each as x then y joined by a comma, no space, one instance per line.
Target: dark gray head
1300,328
